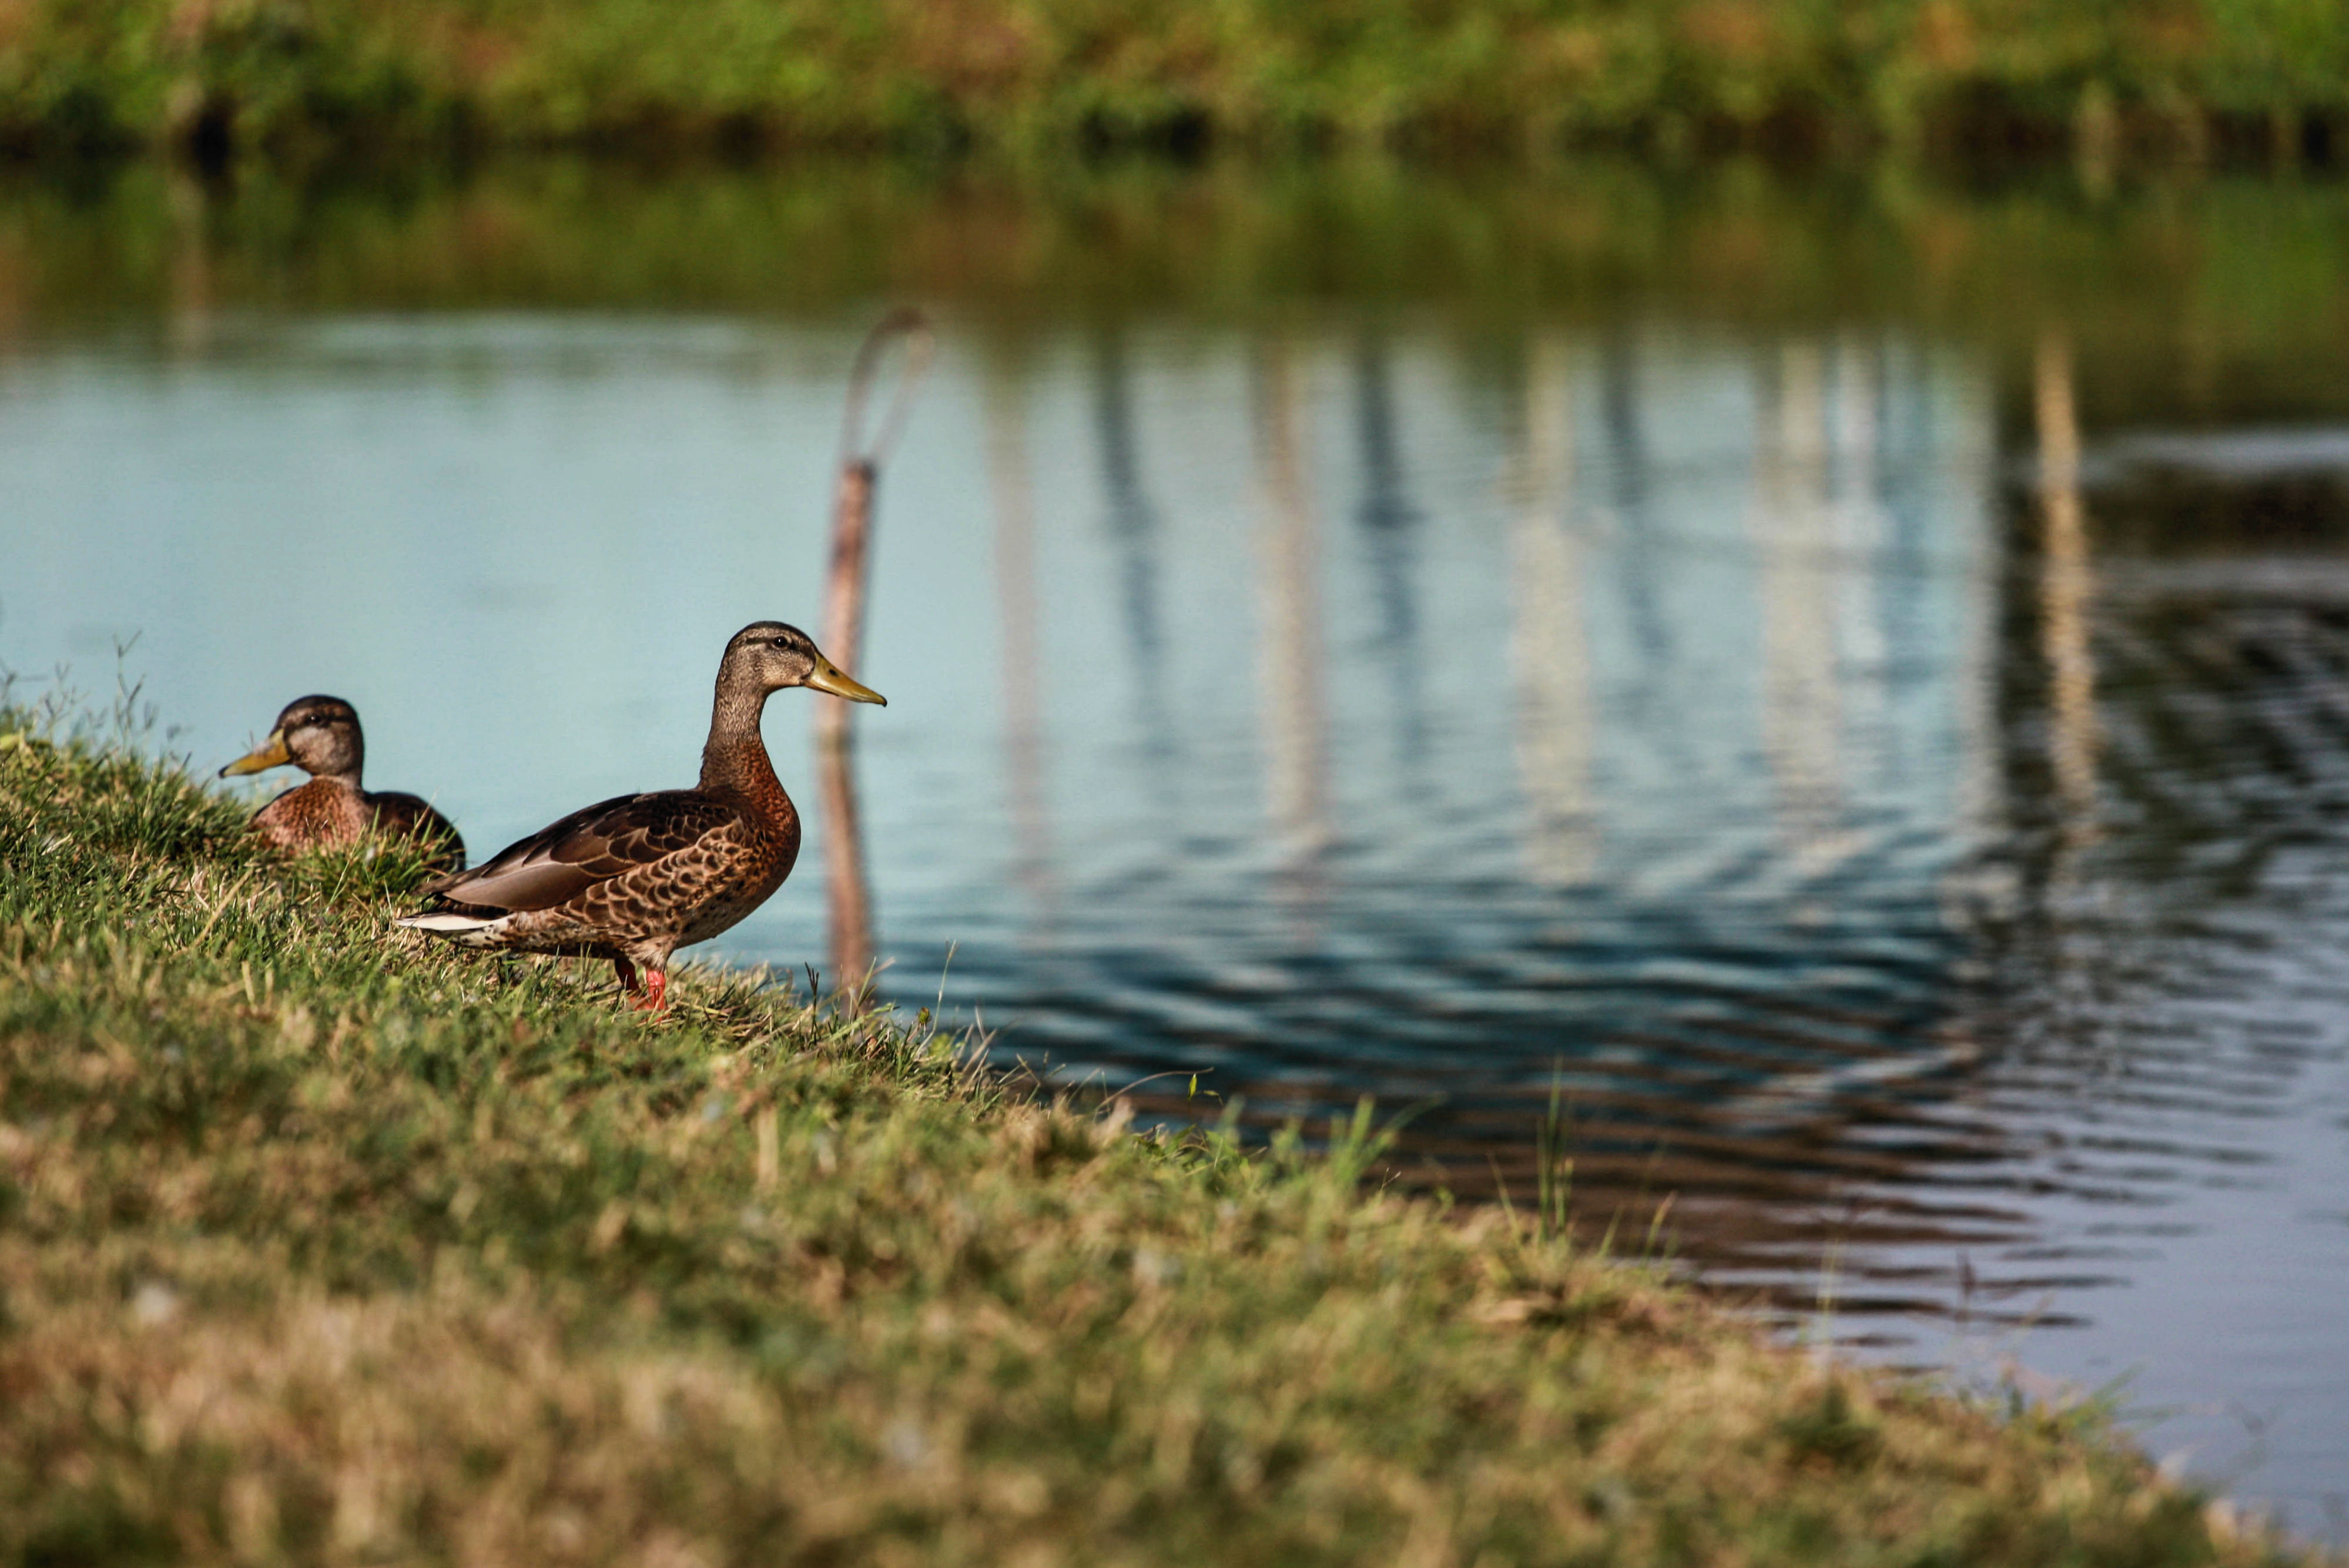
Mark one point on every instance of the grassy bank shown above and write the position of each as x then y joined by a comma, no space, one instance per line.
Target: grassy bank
2268,77
318,1244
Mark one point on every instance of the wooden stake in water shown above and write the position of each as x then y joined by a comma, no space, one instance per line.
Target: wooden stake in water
848,892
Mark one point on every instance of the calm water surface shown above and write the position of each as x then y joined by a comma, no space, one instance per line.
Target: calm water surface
1867,735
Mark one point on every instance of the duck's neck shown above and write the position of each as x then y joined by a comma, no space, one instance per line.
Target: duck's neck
337,758
735,757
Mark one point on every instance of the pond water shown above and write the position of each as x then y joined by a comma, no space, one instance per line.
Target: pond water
1832,697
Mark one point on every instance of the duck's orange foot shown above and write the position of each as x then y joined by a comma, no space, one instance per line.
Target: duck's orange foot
654,996
644,998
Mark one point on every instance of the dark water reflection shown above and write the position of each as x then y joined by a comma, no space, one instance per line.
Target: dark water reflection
1669,797
1847,696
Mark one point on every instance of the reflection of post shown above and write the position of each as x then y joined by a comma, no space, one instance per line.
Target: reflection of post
1133,523
1550,641
848,899
1388,520
191,267
2066,587
1799,708
1015,582
1861,570
1297,793
1628,467
1965,448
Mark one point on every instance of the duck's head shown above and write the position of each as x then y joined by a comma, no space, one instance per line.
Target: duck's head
320,735
767,656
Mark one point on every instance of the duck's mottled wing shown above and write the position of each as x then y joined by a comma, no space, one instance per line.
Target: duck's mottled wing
608,839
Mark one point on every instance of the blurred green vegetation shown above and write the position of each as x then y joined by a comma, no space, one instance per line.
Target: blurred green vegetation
2188,300
2180,75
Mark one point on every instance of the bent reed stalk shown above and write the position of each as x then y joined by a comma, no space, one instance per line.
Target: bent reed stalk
320,1243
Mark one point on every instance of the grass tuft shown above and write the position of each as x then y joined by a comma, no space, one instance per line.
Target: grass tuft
319,1242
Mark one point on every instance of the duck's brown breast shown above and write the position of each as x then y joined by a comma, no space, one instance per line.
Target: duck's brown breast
313,816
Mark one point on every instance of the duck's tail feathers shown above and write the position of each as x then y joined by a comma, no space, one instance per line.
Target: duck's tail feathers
472,930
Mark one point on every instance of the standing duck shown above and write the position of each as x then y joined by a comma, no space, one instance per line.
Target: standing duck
321,736
636,878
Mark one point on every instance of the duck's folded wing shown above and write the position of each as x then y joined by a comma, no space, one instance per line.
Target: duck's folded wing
398,812
608,839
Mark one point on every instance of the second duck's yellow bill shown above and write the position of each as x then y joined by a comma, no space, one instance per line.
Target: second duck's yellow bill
270,753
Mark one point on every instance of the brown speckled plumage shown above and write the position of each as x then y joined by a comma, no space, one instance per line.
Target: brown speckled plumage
633,879
321,735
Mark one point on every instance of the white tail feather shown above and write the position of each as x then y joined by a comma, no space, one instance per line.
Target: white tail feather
456,927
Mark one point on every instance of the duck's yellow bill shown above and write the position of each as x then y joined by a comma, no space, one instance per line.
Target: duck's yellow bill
829,677
270,753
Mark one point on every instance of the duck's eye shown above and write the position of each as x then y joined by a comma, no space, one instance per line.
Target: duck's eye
782,642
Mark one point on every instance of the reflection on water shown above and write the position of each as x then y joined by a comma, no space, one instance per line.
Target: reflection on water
1015,586
1134,522
1548,633
1903,825
1296,720
2066,588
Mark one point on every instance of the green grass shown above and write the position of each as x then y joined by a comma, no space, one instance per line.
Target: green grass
321,1244
1078,73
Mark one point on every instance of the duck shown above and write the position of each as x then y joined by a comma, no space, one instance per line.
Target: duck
635,877
321,735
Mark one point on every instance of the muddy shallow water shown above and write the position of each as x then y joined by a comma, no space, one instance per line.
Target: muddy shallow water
1838,708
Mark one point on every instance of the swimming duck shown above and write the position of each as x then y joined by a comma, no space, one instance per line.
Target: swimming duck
636,878
321,736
